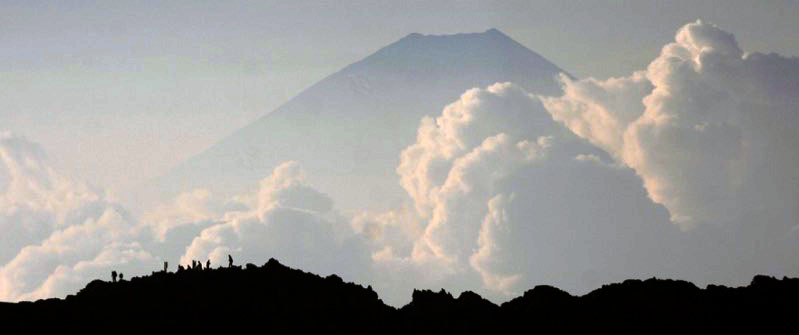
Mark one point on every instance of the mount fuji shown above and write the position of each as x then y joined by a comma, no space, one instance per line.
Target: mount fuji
348,129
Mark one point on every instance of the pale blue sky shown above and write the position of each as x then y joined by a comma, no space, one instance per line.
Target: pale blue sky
119,92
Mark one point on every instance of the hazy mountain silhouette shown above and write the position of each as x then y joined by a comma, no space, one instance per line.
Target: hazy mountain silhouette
275,298
348,129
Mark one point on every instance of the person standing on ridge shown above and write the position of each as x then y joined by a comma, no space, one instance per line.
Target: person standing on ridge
229,261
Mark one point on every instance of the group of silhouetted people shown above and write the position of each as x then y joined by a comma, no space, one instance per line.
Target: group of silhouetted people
195,265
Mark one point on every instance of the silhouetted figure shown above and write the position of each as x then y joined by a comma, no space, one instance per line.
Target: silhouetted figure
208,264
166,266
229,261
199,266
113,276
180,268
193,264
121,277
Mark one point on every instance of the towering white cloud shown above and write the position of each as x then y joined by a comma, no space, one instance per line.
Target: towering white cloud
462,127
497,185
709,128
452,170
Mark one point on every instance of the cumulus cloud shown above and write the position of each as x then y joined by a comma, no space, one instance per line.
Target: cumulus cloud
288,220
188,208
470,182
495,187
66,260
462,127
488,255
57,233
83,235
707,126
60,233
453,168
392,232
36,200
706,132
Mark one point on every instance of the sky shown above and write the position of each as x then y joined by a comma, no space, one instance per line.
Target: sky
669,152
124,91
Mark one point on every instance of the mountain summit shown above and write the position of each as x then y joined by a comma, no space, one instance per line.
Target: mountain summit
348,129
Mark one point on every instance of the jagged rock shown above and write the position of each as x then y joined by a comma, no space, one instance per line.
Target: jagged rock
276,298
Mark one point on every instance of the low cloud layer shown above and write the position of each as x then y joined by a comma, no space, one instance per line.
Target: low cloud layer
61,233
685,170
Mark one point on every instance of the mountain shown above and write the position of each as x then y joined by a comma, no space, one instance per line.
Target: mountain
275,298
348,129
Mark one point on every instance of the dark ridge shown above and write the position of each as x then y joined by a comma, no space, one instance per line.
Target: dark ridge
274,298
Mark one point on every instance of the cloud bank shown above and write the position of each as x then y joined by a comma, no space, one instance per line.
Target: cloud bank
62,234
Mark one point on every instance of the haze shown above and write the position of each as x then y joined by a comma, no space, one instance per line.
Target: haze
633,139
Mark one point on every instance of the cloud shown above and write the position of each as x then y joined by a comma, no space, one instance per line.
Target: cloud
58,233
708,127
451,170
463,125
496,187
484,260
66,260
188,208
83,235
389,232
706,132
469,184
36,200
290,221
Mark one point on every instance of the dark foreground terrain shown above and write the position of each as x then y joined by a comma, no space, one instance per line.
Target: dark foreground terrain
276,299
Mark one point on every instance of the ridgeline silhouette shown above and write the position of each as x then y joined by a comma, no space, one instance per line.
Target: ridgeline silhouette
276,298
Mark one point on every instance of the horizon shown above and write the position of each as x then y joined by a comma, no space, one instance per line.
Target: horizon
285,299
272,263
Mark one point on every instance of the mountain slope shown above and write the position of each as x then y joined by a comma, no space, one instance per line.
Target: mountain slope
348,129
